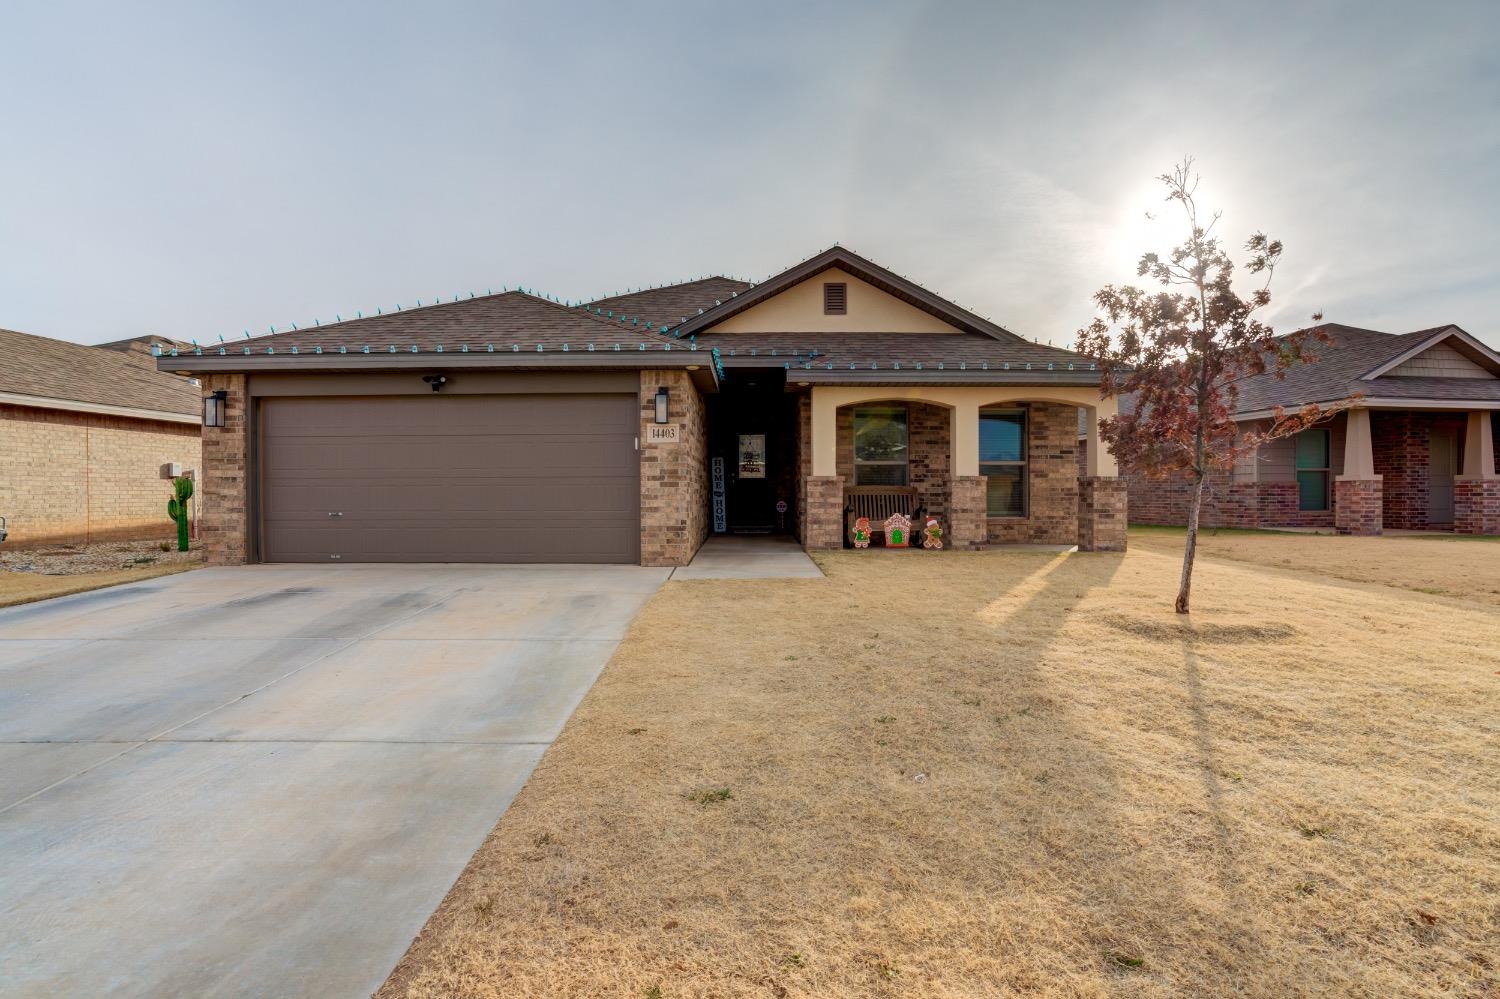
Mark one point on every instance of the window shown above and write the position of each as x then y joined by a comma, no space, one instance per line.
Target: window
880,446
835,299
1002,459
1313,473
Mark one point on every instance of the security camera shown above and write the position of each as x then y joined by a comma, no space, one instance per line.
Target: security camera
436,381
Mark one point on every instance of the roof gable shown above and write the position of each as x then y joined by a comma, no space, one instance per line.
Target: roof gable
1443,352
867,272
799,309
1355,362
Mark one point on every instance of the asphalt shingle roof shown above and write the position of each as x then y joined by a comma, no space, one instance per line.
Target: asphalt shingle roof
886,349
507,318
1336,373
57,369
672,304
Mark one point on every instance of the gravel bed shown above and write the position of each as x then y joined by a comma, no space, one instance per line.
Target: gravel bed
74,560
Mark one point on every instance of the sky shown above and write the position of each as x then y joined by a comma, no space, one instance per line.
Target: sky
199,169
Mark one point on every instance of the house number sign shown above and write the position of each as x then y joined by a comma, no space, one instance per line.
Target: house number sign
716,474
662,433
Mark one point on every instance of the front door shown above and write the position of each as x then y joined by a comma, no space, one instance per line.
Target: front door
752,495
1441,469
753,450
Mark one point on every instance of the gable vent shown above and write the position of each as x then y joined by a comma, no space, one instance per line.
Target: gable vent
835,299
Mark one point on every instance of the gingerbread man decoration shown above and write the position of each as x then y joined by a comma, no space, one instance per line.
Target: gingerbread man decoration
934,534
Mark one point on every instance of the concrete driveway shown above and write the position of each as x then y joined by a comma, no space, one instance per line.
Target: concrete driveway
262,780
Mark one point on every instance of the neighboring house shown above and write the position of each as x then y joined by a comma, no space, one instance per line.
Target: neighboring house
511,427
84,433
1415,452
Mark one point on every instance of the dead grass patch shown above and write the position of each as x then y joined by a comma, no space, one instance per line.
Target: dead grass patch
1447,565
959,775
26,587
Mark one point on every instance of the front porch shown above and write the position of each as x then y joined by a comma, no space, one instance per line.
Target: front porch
1416,470
993,465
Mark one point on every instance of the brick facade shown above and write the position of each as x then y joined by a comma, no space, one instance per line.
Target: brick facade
226,476
1476,506
1052,454
1102,514
1359,506
78,477
1401,445
1227,502
674,477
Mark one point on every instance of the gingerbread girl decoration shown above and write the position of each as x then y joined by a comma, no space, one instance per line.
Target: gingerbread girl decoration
862,532
934,534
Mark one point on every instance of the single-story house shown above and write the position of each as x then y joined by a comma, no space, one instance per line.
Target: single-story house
1415,451
513,427
84,435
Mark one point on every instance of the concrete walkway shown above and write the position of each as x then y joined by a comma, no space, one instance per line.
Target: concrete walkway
731,556
261,781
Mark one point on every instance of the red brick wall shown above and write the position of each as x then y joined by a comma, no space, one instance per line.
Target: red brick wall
72,477
674,477
1402,443
1476,506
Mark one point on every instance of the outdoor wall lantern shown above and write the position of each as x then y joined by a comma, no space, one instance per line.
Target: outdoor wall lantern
661,405
213,408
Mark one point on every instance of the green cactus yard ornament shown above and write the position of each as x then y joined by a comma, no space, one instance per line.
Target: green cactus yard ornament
177,509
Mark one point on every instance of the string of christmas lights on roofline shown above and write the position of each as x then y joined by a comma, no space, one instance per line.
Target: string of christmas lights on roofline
663,329
803,360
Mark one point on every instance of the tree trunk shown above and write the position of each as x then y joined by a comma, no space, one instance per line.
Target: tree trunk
1185,585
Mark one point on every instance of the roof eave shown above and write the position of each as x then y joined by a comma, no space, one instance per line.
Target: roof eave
948,376
660,356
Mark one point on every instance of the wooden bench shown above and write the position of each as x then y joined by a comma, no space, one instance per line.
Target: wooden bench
877,503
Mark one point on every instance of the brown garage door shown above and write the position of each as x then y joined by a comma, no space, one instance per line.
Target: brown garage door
450,478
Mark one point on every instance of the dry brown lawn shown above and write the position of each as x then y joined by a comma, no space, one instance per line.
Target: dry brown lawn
1009,774
1439,563
26,587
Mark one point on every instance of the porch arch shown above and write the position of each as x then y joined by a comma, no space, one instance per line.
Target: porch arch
963,404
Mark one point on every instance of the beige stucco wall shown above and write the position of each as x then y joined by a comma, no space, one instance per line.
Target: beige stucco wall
799,309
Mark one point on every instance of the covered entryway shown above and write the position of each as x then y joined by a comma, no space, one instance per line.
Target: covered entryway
450,478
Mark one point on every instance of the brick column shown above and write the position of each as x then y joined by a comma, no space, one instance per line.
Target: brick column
1476,493
824,503
968,530
1358,506
224,480
674,476
1102,502
1476,506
